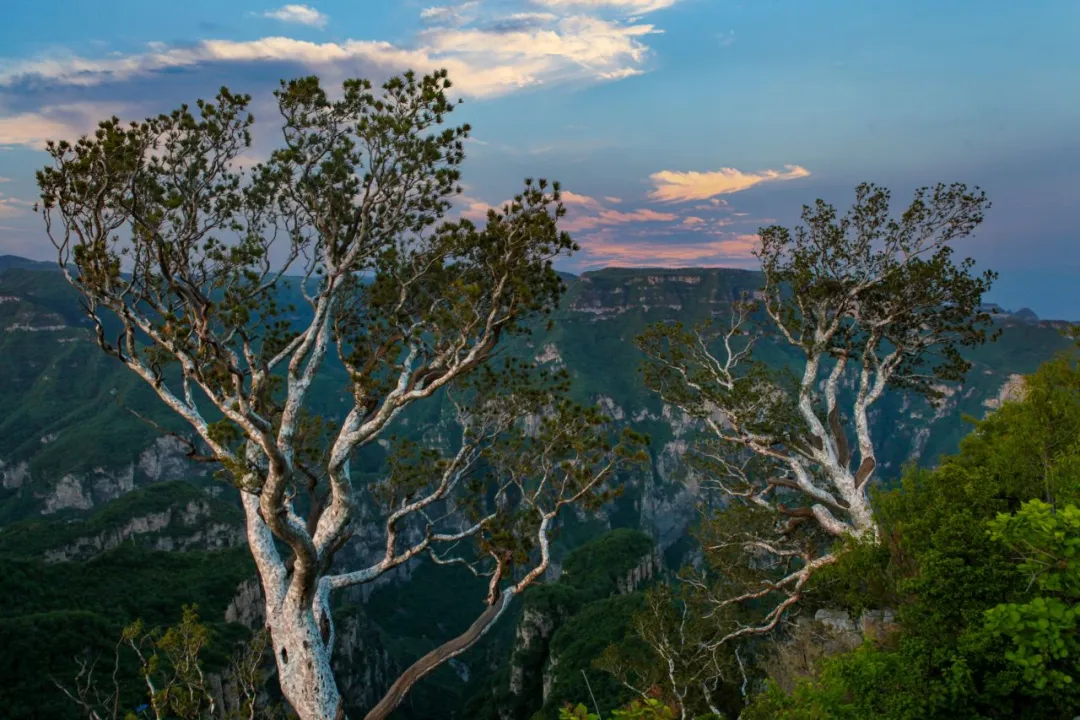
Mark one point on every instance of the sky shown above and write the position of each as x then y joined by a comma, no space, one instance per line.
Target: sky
678,128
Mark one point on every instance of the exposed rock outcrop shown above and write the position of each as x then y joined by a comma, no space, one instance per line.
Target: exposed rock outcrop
12,476
164,460
1011,389
174,529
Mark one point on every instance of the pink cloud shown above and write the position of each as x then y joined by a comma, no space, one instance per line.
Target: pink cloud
471,208
604,249
570,199
614,217
675,186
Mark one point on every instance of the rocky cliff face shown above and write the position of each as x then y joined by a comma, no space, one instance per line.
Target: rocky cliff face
592,338
163,460
619,564
13,475
531,639
174,529
362,663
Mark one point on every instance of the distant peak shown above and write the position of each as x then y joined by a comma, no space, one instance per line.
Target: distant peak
8,262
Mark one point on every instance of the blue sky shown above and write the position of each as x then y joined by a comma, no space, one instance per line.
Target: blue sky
679,126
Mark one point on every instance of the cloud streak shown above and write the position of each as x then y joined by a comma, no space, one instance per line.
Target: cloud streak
298,15
615,217
674,186
607,249
484,60
629,7
10,206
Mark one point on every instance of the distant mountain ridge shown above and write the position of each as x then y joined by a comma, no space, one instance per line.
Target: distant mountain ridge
14,261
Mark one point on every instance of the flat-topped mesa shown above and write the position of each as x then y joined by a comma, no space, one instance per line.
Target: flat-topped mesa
613,291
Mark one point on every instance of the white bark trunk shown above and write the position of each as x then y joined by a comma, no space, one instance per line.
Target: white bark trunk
302,657
303,663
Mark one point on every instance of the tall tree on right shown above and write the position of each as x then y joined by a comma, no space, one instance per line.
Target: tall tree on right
862,302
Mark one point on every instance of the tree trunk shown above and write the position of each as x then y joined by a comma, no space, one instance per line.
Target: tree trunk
303,663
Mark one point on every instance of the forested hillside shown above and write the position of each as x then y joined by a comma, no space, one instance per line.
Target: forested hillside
105,520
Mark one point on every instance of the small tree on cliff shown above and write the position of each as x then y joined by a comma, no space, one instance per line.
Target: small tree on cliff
181,262
864,302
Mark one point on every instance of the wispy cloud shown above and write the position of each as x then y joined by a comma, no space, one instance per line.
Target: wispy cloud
674,186
629,7
614,217
483,59
572,199
52,122
451,14
607,248
298,15
10,206
704,234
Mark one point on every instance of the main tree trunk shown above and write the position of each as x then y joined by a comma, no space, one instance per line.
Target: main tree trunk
303,663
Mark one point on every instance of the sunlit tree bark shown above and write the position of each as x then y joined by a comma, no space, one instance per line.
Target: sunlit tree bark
863,302
185,265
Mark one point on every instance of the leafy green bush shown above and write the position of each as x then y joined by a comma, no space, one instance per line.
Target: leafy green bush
1042,630
982,575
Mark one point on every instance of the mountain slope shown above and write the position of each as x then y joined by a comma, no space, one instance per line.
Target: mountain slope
86,486
69,441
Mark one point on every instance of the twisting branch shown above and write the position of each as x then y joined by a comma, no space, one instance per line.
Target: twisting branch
687,663
566,459
867,302
184,264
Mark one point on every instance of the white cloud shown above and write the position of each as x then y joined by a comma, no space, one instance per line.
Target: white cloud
451,14
572,198
629,7
53,122
10,206
615,217
482,61
528,17
298,15
674,186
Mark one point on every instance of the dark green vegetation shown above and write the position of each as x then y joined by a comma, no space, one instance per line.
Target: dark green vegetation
54,613
55,382
565,625
980,562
